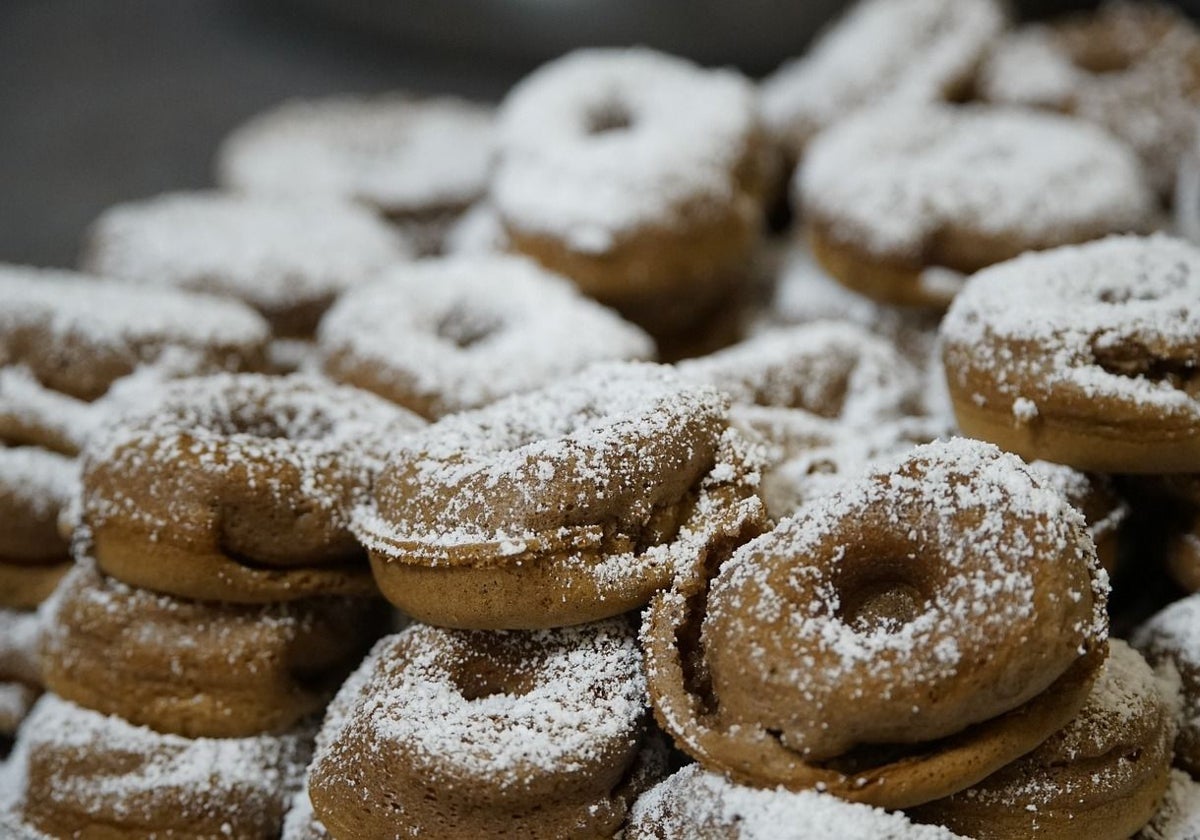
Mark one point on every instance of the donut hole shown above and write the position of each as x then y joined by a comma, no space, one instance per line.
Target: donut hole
608,117
881,594
464,328
1133,360
483,677
274,422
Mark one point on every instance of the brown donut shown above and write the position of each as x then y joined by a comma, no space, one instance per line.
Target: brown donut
1100,778
195,668
35,485
238,488
861,623
94,776
1093,495
565,505
1087,356
1171,640
457,732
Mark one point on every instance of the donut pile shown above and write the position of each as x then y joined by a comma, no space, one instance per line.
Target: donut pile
463,473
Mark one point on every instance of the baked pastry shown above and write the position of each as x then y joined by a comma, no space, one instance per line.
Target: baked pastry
239,488
893,643
1086,356
458,732
1131,67
289,258
95,776
1100,778
901,201
695,804
1093,495
639,176
565,505
199,668
445,335
421,163
65,338
16,699
35,485
1170,640
1178,817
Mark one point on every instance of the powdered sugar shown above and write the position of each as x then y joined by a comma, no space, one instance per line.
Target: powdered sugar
41,482
889,181
1178,817
20,635
601,143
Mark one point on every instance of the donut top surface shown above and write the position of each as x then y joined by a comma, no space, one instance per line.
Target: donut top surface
606,446
602,143
394,152
695,804
899,50
274,253
1116,320
77,334
450,334
894,180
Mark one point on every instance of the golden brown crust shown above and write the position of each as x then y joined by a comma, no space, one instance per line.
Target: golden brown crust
890,282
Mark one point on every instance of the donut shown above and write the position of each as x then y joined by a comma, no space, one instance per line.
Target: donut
1095,497
421,163
445,335
1178,818
458,732
478,231
894,642
16,699
65,338
1170,639
20,636
639,176
565,505
92,775
909,51
1087,356
900,201
35,485
198,668
238,488
696,804
1099,778
289,258
1132,68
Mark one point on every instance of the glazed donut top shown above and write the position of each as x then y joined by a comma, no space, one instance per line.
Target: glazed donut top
559,465
273,253
1113,326
394,152
444,335
77,334
695,804
896,181
499,708
605,142
894,50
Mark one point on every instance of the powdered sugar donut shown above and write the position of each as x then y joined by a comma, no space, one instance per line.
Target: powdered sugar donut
950,604
456,732
1170,640
1099,778
87,770
637,175
695,804
419,162
1133,68
239,488
35,485
882,50
892,194
445,335
561,506
1093,495
1178,817
1087,356
198,668
288,258
20,637
65,338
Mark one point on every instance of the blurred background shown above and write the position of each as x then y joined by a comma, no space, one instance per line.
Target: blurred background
108,100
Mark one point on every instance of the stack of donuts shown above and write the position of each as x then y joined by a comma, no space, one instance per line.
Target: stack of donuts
658,455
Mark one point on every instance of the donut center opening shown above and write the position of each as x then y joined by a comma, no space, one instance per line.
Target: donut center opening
1130,359
465,329
480,678
283,422
881,595
609,117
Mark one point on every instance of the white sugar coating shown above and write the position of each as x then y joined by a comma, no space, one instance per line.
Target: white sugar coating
16,698
1098,319
20,636
584,693
1173,636
1076,487
13,828
192,777
601,143
696,804
882,50
394,152
301,823
272,253
1178,816
832,369
478,231
891,179
463,331
970,494
43,481
28,404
